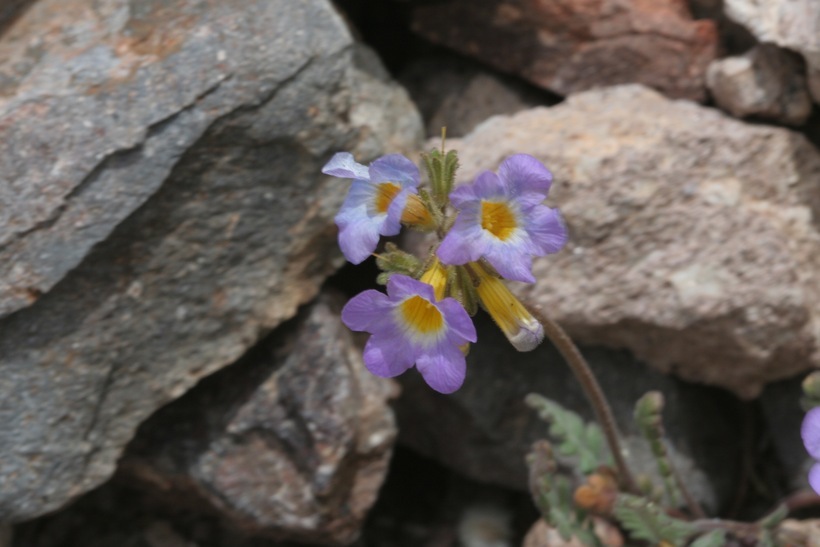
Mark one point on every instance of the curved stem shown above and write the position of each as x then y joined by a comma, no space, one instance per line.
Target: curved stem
593,392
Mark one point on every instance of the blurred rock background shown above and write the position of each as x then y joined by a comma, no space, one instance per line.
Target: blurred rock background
173,370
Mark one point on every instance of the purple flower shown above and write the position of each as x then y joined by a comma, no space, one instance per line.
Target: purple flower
501,218
375,203
409,326
810,431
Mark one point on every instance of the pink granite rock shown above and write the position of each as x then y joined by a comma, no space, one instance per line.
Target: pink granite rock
693,236
568,46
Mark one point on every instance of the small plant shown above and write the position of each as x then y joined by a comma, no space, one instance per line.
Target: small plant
486,231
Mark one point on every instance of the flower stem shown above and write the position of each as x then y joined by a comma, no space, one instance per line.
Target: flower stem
596,397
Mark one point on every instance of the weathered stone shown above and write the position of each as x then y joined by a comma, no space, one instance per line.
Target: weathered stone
693,236
792,24
766,82
450,92
484,430
292,442
161,208
568,46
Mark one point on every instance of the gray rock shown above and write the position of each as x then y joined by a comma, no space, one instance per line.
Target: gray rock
693,236
792,24
161,209
290,443
766,82
485,430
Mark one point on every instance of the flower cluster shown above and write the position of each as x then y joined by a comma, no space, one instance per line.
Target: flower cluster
488,229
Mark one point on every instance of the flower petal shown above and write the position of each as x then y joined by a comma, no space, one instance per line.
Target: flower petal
361,193
401,286
465,242
395,168
511,263
525,174
443,370
387,356
810,431
547,229
460,326
358,236
343,165
366,311
392,223
488,186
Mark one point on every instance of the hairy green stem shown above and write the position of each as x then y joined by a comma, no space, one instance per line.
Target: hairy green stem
593,392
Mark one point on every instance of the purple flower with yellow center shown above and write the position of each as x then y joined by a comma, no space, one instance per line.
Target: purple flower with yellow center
810,431
409,326
381,196
502,219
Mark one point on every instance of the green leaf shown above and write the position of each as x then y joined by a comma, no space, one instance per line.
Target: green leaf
553,496
647,521
715,538
576,438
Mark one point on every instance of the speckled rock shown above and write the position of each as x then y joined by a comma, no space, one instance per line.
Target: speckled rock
567,46
766,82
290,443
161,208
693,236
792,24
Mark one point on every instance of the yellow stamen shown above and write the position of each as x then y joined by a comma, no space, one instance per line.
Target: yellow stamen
436,276
498,219
422,316
416,214
519,326
385,193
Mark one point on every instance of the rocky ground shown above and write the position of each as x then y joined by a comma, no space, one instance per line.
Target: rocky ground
173,369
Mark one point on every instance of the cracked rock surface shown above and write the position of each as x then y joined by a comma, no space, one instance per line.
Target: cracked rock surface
694,237
160,208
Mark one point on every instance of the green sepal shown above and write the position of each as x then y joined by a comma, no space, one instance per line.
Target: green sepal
441,170
648,416
393,260
464,290
383,278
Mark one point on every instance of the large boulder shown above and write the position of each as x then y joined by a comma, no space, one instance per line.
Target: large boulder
290,443
694,239
162,208
568,46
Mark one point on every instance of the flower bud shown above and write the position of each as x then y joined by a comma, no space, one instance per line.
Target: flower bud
516,322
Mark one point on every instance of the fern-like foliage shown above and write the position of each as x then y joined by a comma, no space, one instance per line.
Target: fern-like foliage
574,437
645,520
553,496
